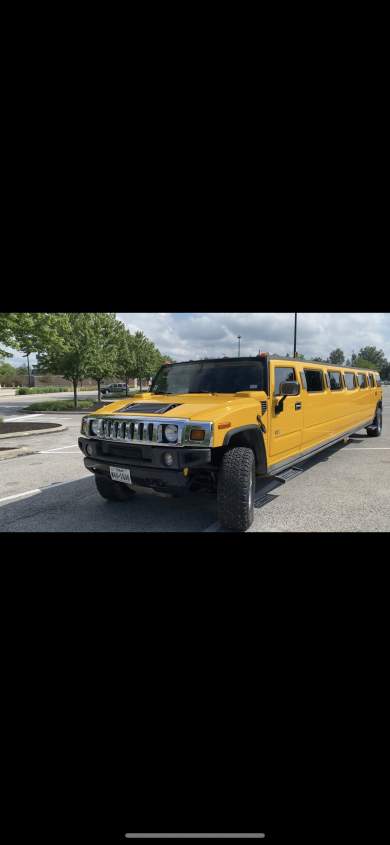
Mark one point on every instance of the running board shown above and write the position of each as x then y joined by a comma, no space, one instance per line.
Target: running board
288,474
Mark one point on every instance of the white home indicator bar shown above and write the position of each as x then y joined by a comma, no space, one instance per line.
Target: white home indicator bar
195,835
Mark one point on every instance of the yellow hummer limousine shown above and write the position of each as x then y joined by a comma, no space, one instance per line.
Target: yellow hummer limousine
216,425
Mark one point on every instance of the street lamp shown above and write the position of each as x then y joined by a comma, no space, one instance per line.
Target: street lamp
295,335
239,344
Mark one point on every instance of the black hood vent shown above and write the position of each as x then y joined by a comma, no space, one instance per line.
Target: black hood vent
147,408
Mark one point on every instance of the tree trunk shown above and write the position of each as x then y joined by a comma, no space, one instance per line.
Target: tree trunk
28,368
140,383
98,384
127,385
75,382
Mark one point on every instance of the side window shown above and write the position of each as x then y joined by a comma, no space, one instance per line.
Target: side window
362,380
314,381
378,380
335,380
372,380
282,374
349,379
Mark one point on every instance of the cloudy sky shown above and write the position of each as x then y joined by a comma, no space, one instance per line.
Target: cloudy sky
184,336
194,335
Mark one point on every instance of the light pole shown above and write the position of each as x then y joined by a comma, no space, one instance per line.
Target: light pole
239,344
295,335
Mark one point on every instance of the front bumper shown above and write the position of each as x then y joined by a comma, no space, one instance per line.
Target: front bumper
145,462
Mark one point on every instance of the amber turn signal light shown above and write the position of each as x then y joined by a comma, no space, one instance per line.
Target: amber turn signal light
197,434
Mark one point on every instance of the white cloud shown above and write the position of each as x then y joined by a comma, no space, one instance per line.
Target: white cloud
196,335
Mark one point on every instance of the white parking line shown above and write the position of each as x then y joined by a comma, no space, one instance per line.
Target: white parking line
18,495
22,418
58,449
38,490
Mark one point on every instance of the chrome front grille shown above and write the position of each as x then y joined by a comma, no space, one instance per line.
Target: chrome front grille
146,431
130,431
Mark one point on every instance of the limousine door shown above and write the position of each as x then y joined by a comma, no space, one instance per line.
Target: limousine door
286,426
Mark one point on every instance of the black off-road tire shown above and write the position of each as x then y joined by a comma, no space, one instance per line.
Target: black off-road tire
236,489
114,491
376,429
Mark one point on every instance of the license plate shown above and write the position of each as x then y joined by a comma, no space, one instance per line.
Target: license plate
119,474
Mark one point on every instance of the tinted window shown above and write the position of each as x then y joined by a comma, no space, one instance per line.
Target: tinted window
372,380
349,379
314,382
283,374
362,380
335,381
223,376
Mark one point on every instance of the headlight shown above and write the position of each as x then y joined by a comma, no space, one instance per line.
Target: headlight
84,426
170,432
95,427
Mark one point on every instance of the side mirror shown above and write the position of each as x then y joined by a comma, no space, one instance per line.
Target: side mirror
290,388
287,388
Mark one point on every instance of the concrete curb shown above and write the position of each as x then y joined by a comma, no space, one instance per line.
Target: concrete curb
16,453
31,433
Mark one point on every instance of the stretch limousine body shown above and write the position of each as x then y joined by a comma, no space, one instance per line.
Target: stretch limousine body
216,425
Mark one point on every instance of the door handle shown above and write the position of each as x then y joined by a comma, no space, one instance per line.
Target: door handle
298,406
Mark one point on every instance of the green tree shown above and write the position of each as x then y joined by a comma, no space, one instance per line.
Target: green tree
364,363
376,357
8,374
7,324
66,350
385,371
337,357
147,357
28,335
125,358
102,359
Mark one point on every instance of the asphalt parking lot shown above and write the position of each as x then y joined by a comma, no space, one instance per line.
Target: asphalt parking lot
346,488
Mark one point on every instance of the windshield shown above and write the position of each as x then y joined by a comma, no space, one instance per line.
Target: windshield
211,377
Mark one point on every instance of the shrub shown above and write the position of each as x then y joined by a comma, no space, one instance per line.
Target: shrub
24,391
27,391
60,405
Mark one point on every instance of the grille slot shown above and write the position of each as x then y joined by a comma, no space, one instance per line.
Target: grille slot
263,407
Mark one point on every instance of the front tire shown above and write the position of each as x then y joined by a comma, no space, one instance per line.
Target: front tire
376,429
114,491
236,489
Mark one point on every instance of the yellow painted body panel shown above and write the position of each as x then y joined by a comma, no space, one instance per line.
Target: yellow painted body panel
239,410
322,416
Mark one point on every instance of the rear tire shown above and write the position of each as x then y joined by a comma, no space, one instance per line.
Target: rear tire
114,491
236,489
376,429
